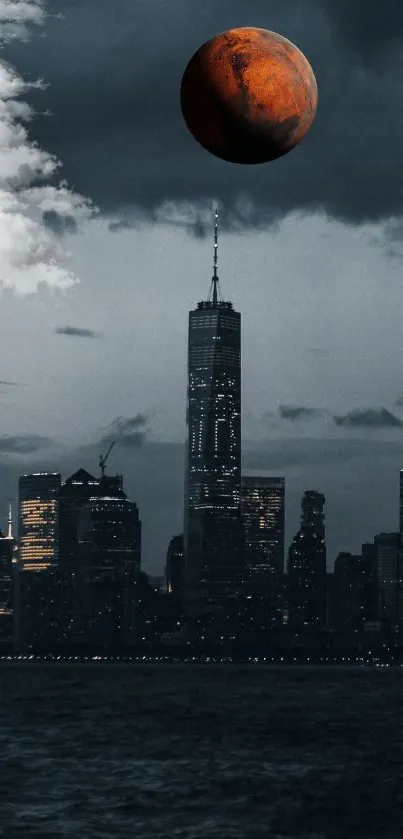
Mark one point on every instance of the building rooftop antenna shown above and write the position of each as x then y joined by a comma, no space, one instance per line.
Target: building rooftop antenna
215,299
215,261
10,520
215,295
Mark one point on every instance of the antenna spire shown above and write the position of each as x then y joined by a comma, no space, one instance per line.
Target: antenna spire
215,261
10,522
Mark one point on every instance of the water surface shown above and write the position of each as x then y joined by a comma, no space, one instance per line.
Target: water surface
190,751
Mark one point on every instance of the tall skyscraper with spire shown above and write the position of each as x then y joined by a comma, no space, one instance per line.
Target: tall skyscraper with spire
212,527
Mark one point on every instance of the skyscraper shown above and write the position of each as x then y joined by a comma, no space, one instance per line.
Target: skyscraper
307,564
108,566
7,586
401,506
74,492
312,511
389,569
349,596
174,566
38,520
212,530
263,517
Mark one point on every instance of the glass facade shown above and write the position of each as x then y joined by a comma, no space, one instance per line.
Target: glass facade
263,517
212,533
38,520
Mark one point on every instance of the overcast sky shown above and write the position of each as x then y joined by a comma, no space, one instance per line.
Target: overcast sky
105,245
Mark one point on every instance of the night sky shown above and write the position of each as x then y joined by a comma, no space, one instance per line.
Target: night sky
106,243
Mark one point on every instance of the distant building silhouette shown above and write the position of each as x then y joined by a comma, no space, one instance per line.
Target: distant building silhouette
307,564
109,555
389,569
212,531
7,586
312,511
401,504
350,594
174,567
74,493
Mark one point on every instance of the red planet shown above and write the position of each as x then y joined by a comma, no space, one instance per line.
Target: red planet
249,95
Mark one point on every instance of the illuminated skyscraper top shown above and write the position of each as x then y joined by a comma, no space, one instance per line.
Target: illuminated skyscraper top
213,473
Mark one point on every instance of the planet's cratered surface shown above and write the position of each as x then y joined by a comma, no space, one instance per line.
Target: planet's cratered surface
249,95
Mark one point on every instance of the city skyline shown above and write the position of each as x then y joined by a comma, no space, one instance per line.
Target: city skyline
309,246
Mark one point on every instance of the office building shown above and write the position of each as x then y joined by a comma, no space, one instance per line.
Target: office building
73,494
108,566
307,565
350,594
7,586
263,519
212,527
174,566
389,571
312,511
38,520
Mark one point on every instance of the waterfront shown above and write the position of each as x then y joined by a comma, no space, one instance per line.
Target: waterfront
101,752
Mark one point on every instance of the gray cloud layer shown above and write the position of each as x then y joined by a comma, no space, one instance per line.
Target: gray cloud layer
356,418
75,332
368,418
23,444
116,121
129,433
289,412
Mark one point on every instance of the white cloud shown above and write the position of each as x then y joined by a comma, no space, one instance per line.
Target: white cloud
30,252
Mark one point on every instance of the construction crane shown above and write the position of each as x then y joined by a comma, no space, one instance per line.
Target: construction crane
104,457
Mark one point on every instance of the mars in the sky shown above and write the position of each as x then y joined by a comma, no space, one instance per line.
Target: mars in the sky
249,95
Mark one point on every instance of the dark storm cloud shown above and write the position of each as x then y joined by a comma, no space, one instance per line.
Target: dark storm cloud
368,418
130,433
365,26
115,121
75,332
59,224
300,412
23,444
195,226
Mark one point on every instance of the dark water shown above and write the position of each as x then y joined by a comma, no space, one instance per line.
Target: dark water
195,751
